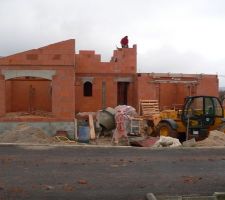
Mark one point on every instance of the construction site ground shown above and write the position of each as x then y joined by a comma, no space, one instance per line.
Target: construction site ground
24,133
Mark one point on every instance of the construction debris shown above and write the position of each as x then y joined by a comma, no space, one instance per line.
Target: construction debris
167,142
143,142
189,143
63,139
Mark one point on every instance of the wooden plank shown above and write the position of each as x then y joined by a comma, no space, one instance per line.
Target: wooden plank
75,129
92,128
148,107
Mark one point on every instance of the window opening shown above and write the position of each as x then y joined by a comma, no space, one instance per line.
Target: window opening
87,89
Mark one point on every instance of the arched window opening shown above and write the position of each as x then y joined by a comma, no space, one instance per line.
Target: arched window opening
87,89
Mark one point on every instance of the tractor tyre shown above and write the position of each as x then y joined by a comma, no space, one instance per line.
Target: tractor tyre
164,129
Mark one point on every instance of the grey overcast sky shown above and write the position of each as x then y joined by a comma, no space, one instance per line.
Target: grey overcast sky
176,36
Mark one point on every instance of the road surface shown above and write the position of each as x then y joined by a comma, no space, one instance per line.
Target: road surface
50,172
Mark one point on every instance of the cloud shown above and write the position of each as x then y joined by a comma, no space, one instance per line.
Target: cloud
168,60
171,36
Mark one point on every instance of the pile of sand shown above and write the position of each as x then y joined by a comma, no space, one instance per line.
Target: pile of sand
24,133
216,138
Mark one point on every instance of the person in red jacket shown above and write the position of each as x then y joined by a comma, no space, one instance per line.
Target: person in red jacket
124,42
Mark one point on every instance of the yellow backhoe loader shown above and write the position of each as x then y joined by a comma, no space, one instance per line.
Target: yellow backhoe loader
199,115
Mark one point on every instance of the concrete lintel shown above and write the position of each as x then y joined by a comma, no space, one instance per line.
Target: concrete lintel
215,196
46,74
174,81
124,79
87,79
181,75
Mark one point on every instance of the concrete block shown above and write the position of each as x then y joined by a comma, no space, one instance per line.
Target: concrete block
169,198
199,198
219,195
189,143
150,196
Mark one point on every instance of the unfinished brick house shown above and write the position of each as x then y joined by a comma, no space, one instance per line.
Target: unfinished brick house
58,80
108,84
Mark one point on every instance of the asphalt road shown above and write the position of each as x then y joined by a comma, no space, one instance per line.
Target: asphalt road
48,172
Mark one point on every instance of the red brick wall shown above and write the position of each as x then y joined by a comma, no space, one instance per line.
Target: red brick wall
57,57
131,94
8,95
58,54
88,103
88,64
67,91
94,103
63,97
123,62
173,92
209,85
2,96
145,89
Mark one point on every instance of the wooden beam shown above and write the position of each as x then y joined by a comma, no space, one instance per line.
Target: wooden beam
92,128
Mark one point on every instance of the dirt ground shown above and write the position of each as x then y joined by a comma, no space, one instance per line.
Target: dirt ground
25,133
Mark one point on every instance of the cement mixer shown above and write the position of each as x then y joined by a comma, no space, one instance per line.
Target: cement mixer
105,119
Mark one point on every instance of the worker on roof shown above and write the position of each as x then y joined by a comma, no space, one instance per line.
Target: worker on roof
124,42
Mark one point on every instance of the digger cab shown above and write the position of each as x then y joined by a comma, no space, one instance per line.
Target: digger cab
201,114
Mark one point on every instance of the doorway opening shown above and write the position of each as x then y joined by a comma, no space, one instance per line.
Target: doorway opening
122,93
